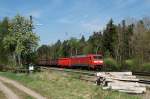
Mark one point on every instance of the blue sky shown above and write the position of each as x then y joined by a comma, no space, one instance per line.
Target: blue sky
62,19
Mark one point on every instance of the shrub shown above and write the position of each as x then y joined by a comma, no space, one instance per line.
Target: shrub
131,64
111,64
145,67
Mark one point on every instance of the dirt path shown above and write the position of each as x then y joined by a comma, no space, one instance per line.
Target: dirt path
8,92
21,88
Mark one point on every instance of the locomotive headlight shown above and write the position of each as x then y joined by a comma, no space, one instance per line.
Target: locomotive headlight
98,61
101,61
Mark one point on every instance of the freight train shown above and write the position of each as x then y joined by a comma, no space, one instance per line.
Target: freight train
90,61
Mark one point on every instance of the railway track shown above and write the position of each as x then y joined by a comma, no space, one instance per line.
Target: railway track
144,81
142,73
89,73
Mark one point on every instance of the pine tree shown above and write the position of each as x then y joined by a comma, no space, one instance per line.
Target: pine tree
109,38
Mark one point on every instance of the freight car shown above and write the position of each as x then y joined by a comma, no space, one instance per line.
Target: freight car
92,61
47,62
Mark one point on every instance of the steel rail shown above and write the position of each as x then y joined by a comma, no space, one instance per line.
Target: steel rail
142,73
71,70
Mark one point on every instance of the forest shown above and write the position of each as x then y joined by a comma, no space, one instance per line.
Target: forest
124,46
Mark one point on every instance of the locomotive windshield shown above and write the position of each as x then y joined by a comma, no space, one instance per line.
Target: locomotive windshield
97,57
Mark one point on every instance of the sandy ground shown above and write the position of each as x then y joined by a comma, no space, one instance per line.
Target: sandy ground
11,95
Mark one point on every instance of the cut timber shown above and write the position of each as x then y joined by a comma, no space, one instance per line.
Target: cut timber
121,81
114,73
131,91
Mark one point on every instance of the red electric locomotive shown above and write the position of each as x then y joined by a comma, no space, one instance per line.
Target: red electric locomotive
92,61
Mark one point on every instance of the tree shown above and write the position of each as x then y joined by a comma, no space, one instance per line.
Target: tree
65,49
74,46
123,38
109,38
141,42
21,40
4,26
82,44
43,52
96,42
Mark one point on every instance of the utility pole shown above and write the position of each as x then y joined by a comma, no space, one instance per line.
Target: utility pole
31,22
97,49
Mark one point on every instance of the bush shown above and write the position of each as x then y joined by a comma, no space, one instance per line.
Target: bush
111,64
145,67
131,64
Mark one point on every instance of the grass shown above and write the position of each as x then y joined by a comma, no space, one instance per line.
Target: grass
58,85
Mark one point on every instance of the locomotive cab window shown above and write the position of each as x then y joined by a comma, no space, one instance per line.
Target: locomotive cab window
97,57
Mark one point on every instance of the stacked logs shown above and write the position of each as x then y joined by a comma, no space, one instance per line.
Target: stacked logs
120,81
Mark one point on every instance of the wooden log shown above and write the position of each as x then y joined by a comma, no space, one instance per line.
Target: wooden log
122,79
114,73
127,87
124,84
134,92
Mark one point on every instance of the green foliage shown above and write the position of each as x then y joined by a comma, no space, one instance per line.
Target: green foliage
4,25
74,45
95,42
17,40
87,49
111,64
22,36
107,54
109,38
131,64
145,67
